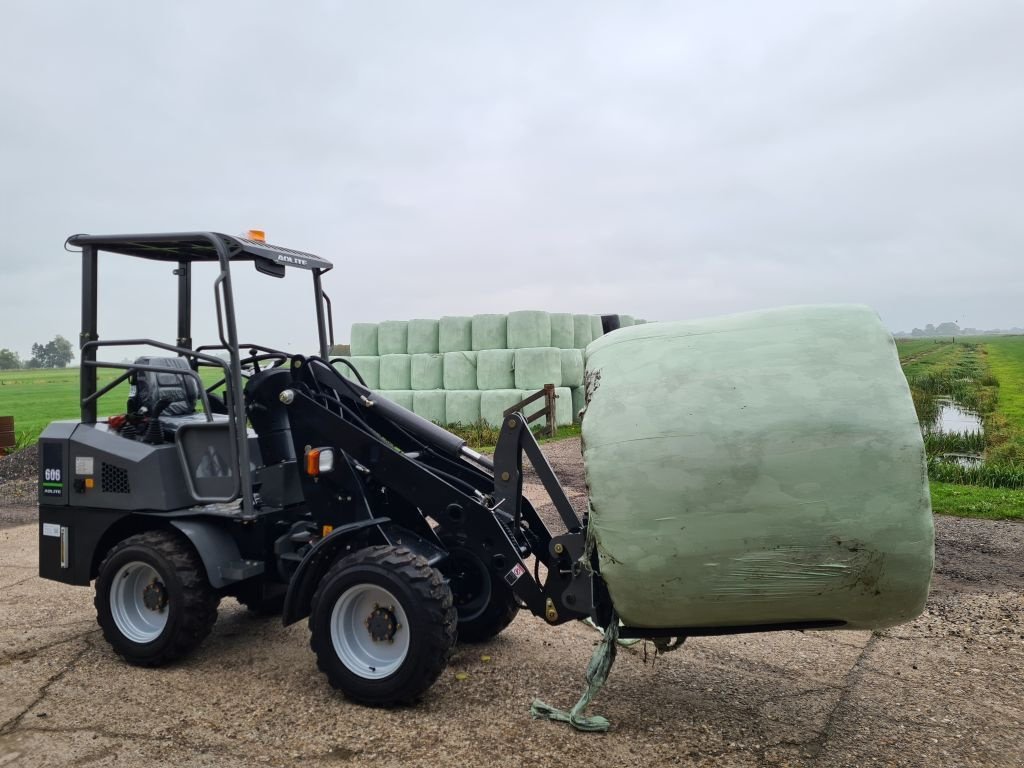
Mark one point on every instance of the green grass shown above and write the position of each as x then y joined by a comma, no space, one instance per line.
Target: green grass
482,437
974,501
1005,426
984,374
36,397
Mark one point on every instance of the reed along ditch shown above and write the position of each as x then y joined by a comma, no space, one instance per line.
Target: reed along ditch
956,397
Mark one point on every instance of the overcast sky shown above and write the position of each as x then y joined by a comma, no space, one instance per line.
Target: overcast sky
667,160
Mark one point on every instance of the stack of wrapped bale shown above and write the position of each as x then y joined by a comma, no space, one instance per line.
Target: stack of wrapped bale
470,369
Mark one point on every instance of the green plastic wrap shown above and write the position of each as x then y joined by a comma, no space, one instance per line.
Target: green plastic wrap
393,337
402,397
364,340
430,404
578,402
494,369
460,370
426,371
563,330
395,372
454,334
626,321
462,406
422,336
529,328
536,367
596,330
494,402
368,367
759,468
583,332
572,367
490,332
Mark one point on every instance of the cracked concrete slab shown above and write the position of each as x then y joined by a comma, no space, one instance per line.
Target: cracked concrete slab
947,689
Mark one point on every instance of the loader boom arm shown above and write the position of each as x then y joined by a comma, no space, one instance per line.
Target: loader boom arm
393,464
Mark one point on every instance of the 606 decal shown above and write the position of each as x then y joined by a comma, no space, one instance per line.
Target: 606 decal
51,475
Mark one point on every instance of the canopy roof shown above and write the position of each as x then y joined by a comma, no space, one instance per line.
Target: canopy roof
199,246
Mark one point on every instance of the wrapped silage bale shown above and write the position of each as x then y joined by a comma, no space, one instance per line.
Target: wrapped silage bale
762,468
596,329
454,334
572,367
426,371
402,397
494,403
578,402
368,367
395,372
462,406
430,404
563,409
489,332
535,367
364,340
393,337
626,321
495,369
529,328
460,370
563,330
422,336
582,332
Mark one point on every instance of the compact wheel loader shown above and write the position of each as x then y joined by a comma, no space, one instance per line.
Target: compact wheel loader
291,488
295,490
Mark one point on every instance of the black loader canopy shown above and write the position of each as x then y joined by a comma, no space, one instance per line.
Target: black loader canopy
190,247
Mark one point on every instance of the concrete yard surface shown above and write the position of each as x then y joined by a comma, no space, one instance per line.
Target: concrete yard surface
946,690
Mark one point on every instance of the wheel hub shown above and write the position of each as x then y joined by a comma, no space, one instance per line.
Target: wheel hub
382,624
154,596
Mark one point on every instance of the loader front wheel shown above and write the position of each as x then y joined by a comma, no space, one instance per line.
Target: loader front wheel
153,600
383,625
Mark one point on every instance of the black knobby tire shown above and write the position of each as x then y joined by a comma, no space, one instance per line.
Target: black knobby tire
485,603
191,603
426,601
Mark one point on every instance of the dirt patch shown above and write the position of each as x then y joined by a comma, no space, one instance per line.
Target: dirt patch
18,477
947,689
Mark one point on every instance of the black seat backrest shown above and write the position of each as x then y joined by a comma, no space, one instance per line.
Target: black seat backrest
150,387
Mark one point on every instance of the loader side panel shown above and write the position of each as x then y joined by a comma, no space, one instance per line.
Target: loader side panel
68,537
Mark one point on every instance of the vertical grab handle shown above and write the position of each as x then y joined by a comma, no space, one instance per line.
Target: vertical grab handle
217,285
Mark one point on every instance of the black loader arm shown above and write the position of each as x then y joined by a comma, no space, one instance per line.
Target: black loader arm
391,464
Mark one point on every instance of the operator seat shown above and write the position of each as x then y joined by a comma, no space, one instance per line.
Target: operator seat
177,390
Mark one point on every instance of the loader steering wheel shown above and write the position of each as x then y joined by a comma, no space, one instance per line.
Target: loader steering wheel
251,365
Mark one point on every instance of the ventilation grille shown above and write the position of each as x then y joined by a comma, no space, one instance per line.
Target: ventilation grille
113,479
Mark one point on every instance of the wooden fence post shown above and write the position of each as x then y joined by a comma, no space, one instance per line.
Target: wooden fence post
8,439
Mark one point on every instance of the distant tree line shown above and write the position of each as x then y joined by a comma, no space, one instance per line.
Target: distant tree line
56,353
952,329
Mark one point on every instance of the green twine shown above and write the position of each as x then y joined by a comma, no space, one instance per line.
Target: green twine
597,673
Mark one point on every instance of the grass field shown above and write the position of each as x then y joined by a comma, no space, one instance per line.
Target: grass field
986,373
37,397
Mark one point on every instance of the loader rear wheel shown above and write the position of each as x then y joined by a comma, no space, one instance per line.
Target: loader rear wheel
153,601
383,625
486,605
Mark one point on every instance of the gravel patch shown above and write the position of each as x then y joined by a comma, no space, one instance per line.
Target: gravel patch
946,689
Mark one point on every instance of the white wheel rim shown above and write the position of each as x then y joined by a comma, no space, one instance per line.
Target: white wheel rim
353,639
137,621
